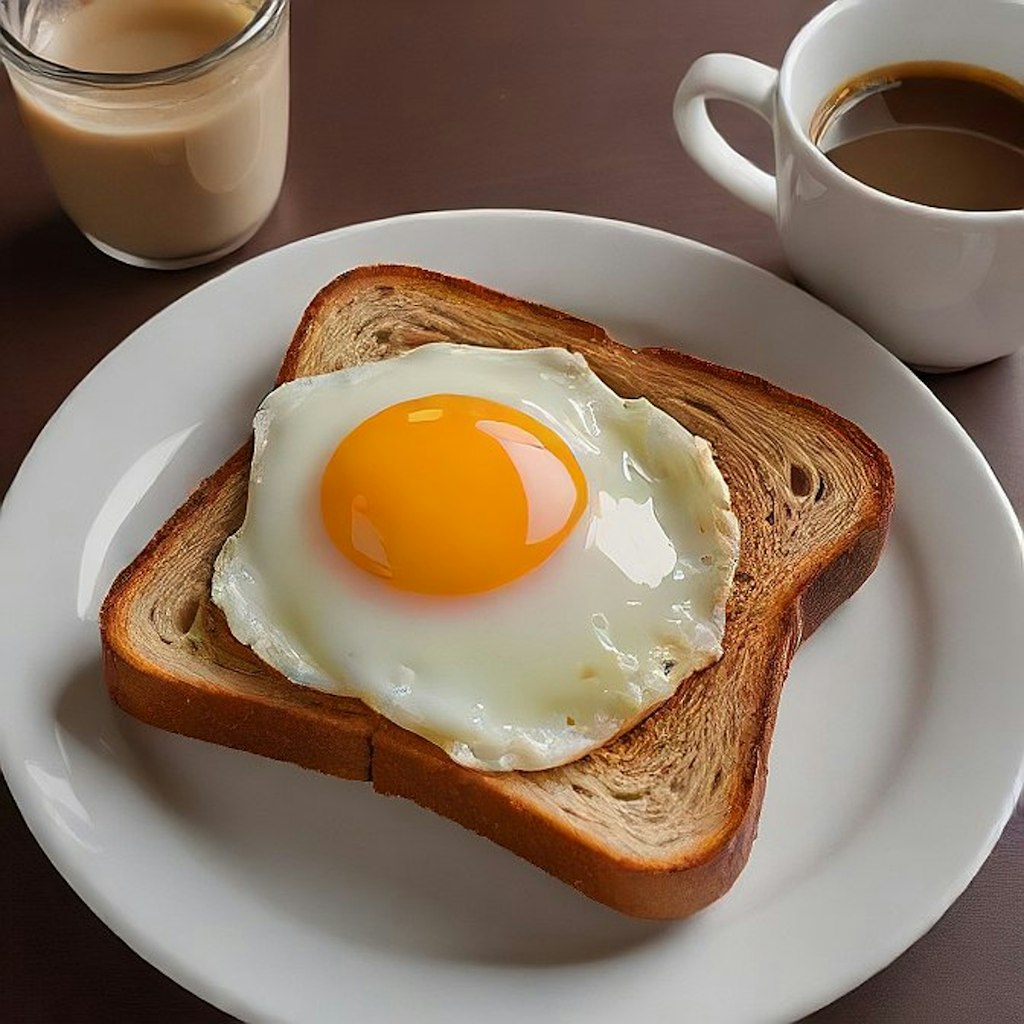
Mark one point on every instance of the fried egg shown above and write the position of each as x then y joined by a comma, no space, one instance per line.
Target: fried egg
490,548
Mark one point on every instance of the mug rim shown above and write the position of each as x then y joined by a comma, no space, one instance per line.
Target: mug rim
34,65
802,137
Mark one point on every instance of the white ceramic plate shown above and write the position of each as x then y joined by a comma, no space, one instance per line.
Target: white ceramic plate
278,894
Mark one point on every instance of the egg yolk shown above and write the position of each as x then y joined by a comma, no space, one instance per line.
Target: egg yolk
451,494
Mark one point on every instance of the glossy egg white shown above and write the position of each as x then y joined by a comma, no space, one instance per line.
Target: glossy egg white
532,674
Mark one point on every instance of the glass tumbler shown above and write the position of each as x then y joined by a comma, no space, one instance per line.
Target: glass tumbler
161,168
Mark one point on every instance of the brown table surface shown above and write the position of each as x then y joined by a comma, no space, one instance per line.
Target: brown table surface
400,106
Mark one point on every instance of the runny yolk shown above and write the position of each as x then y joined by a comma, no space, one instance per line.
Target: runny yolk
451,494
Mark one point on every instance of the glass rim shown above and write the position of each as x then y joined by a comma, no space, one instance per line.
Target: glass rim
15,51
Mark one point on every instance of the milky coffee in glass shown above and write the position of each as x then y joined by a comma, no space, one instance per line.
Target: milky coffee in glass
163,126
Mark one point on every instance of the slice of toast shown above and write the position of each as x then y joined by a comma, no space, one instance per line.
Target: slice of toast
657,823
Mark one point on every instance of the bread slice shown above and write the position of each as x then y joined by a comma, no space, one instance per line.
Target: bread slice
657,823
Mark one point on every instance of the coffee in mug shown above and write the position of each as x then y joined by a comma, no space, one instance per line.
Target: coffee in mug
931,276
932,132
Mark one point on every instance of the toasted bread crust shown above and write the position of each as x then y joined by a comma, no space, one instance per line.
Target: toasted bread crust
660,822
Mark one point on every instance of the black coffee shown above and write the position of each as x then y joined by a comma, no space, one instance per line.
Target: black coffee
937,133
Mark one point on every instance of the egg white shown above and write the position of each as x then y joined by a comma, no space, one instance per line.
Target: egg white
532,674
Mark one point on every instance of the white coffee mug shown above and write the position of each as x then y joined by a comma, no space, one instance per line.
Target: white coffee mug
942,289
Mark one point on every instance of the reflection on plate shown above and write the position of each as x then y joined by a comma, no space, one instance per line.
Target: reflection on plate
279,894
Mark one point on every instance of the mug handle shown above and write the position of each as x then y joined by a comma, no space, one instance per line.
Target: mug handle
727,76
